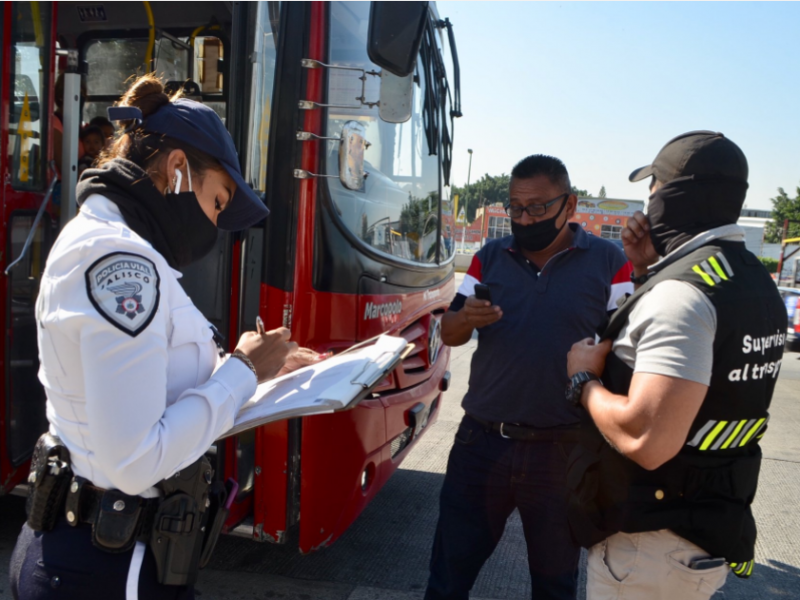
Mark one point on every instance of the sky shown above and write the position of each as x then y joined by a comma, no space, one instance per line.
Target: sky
603,86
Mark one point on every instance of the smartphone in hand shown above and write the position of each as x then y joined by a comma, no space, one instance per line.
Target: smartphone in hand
482,292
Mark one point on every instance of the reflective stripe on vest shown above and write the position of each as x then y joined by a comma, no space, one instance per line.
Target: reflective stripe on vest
743,570
714,271
721,435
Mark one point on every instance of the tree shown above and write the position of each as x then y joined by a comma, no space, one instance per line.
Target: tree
783,208
602,193
770,263
485,191
490,190
581,193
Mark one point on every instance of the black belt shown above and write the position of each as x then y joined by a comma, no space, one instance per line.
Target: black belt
514,431
84,500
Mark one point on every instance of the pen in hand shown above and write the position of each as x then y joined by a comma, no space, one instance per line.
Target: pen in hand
259,326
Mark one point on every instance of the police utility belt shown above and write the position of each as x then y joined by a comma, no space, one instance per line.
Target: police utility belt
181,527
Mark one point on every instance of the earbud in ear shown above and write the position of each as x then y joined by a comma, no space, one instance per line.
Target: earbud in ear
179,179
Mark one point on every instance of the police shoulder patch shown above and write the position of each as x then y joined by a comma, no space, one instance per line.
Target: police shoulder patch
124,288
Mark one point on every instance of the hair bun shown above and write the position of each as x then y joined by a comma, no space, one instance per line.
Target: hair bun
147,94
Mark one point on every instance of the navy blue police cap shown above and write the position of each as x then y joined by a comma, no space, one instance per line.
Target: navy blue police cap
199,126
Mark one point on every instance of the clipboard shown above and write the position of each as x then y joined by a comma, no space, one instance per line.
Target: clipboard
336,384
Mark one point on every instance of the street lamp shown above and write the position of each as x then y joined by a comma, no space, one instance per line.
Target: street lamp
466,203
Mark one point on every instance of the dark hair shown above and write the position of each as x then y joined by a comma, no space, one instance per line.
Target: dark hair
91,130
145,148
101,121
541,164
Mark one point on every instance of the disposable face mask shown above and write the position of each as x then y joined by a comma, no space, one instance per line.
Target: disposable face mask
539,235
196,229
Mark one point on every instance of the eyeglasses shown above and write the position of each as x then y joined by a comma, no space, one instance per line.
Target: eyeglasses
533,210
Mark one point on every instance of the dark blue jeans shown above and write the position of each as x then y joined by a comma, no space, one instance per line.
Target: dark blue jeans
487,477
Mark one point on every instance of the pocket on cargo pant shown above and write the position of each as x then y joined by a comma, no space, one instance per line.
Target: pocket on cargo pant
619,555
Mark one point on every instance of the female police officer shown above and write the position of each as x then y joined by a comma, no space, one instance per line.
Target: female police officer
134,389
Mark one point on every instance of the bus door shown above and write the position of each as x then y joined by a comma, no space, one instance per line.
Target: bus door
211,52
26,56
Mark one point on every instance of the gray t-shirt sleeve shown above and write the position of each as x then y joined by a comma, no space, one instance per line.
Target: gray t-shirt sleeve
670,332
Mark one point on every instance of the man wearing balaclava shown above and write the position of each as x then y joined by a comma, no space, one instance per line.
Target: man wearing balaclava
676,394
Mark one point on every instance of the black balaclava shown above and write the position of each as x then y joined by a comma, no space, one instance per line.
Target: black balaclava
539,235
688,206
174,224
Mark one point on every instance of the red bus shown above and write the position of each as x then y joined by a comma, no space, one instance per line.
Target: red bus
336,262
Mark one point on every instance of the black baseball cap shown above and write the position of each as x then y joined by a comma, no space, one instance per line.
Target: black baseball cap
199,126
707,154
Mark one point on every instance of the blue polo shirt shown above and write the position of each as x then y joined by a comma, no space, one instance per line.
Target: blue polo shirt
519,370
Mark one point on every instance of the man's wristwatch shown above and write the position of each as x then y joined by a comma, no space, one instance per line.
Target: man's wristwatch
575,386
641,279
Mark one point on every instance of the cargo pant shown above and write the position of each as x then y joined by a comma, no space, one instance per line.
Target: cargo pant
650,566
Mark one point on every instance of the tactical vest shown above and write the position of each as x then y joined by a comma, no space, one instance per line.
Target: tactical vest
704,493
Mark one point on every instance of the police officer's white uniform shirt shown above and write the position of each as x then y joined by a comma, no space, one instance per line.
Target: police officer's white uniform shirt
127,361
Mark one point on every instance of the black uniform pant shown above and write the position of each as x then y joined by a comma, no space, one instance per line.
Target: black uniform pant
487,477
64,564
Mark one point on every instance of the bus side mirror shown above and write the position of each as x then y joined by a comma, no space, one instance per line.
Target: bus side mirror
395,35
351,155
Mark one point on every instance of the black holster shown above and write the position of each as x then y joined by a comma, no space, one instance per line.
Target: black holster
48,482
187,523
181,527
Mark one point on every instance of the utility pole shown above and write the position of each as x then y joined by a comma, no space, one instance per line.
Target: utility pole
466,203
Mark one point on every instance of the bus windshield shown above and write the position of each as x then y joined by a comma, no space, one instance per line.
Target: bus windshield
397,211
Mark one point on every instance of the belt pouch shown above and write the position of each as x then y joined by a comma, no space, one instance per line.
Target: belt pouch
217,515
73,506
48,480
114,528
177,539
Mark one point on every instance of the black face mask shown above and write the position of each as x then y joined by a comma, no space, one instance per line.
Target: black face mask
198,233
174,224
539,235
688,206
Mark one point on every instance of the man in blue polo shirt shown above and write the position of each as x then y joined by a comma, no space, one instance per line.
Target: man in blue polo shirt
552,284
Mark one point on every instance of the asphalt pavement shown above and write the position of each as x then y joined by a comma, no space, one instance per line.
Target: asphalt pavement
384,555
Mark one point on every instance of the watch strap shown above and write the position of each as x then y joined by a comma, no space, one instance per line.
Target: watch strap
576,383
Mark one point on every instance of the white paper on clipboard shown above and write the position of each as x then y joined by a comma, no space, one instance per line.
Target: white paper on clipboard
321,388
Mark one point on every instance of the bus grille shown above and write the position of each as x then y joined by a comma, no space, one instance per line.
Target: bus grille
401,442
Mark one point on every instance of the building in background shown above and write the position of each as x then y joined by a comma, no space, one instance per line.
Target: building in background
605,217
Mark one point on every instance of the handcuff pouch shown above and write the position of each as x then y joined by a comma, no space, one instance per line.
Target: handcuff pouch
116,525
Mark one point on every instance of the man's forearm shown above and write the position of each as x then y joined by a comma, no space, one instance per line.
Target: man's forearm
608,411
651,423
455,329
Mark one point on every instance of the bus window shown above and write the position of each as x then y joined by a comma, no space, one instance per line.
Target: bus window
208,52
30,64
171,59
397,211
113,63
265,50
